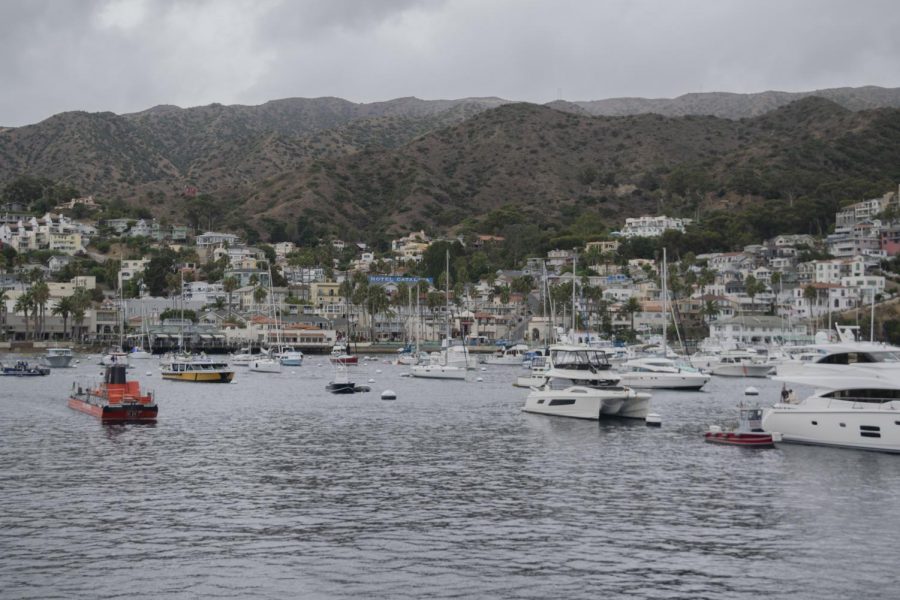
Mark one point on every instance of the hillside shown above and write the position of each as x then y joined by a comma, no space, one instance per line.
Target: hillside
532,164
300,168
737,106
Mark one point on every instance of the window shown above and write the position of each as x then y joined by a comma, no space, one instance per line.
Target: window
561,402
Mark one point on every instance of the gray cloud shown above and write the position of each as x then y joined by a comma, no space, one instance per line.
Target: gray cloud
128,55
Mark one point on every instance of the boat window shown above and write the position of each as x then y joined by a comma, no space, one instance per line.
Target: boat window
872,396
561,402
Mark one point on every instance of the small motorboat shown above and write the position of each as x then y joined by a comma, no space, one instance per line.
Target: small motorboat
116,400
57,358
342,383
749,432
340,355
23,369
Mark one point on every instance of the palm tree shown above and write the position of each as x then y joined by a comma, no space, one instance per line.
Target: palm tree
811,293
3,299
229,284
81,300
259,294
377,302
41,293
709,310
630,307
64,308
25,304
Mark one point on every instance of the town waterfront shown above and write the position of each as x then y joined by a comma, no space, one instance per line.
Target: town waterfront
271,488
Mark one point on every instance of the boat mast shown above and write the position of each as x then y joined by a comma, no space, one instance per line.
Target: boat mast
665,300
447,303
574,316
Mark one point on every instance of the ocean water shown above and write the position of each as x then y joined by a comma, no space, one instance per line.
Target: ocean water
270,487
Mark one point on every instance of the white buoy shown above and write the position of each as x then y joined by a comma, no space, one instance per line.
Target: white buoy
371,380
388,395
479,379
378,370
483,369
653,420
149,372
751,391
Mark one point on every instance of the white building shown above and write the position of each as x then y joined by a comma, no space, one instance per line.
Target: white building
749,330
652,226
131,269
211,239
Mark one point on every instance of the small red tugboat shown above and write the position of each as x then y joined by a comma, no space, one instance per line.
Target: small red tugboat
749,432
115,400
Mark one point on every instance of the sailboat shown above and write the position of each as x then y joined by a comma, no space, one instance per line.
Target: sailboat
446,364
268,362
115,355
140,352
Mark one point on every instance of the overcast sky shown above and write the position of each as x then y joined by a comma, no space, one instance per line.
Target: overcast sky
128,55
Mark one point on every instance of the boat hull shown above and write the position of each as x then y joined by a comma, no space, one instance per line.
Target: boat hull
741,370
58,361
438,372
265,366
27,372
344,360
200,377
744,440
857,428
125,413
664,381
588,403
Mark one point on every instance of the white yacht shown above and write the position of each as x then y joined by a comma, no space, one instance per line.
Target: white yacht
735,363
242,357
58,357
537,373
509,356
290,356
580,384
846,357
661,373
848,412
265,363
432,370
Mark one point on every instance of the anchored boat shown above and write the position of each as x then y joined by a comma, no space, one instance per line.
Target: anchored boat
23,369
116,399
198,369
748,434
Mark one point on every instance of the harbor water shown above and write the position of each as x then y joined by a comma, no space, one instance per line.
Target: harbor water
270,487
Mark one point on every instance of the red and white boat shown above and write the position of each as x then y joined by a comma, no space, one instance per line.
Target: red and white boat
749,432
116,400
341,356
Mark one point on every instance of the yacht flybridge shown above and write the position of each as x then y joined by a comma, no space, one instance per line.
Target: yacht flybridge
580,384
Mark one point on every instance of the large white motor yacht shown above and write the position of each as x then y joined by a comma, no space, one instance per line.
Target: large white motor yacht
661,373
849,412
580,384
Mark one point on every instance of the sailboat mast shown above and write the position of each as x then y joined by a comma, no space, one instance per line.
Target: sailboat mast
574,318
447,294
665,299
